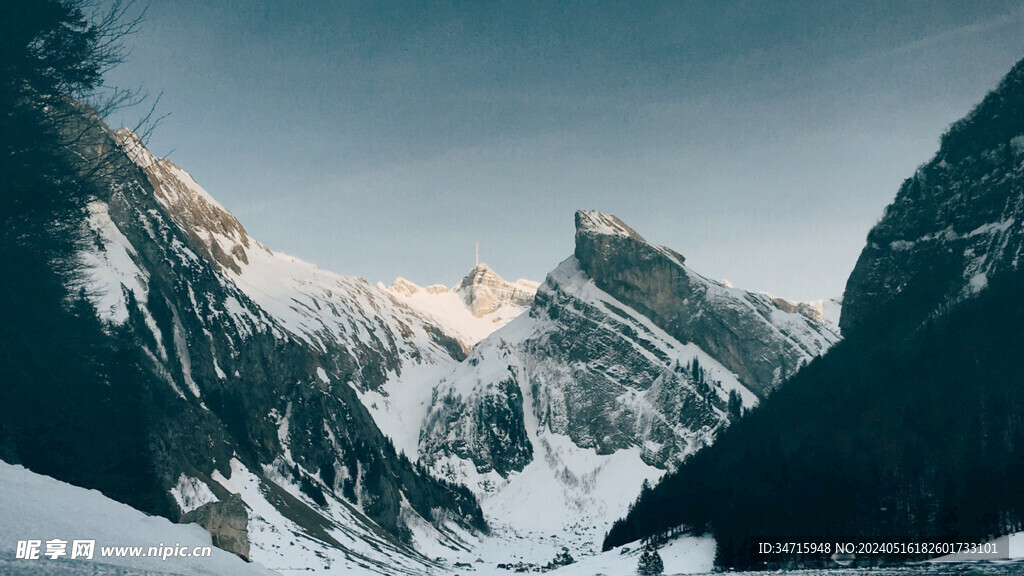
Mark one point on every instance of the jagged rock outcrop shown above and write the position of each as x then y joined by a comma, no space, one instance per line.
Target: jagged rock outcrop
750,334
626,363
954,225
227,522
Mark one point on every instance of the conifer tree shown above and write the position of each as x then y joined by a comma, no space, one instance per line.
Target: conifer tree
650,563
735,408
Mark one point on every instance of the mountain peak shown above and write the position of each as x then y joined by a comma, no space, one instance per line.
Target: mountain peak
480,269
134,147
595,222
486,292
403,287
599,235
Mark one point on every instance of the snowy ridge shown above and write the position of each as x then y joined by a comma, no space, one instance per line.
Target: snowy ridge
397,350
330,310
327,310
801,323
570,279
595,222
479,304
763,339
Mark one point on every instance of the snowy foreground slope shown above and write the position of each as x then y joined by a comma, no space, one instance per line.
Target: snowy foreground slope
41,508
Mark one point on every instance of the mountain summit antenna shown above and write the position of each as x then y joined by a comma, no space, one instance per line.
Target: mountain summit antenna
477,253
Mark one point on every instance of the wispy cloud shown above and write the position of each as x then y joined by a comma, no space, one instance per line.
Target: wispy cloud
957,34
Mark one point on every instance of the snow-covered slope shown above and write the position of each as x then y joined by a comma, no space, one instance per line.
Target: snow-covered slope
255,365
289,531
327,310
41,508
372,338
470,311
557,419
683,555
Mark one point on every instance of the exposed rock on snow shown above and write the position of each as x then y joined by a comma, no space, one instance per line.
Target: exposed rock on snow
227,522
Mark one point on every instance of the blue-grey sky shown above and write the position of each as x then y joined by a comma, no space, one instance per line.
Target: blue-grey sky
760,139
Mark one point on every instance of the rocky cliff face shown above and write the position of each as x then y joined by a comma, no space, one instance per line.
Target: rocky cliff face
953,226
759,338
624,346
625,355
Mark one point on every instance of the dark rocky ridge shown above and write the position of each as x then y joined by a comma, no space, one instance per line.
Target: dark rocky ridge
954,225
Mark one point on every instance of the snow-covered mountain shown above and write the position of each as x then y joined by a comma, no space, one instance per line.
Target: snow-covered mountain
310,394
470,311
626,363
486,293
327,310
252,369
